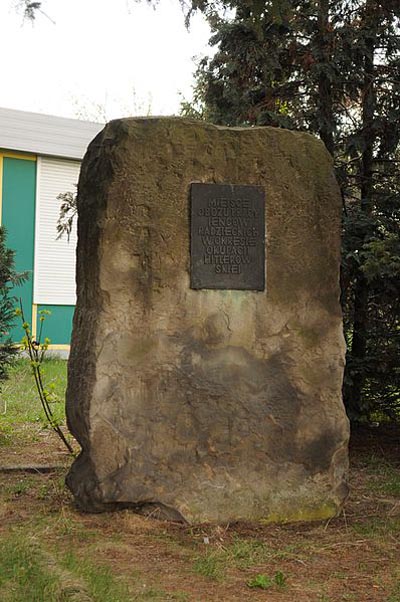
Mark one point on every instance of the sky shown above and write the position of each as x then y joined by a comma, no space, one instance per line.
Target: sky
99,59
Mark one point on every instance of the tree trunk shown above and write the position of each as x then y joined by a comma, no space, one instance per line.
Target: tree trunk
325,100
353,393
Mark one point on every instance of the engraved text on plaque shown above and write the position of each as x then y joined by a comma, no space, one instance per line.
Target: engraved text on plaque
227,237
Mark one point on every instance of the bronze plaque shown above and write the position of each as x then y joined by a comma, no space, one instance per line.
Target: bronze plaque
227,247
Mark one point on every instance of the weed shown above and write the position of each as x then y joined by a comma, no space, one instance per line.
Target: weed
241,554
288,552
53,490
210,565
244,553
265,582
280,579
19,488
261,581
36,350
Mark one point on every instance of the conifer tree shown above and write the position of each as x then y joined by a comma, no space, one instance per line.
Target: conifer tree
330,67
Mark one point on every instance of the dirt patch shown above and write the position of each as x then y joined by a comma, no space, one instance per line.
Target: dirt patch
351,558
31,445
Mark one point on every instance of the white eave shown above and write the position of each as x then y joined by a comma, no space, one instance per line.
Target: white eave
45,134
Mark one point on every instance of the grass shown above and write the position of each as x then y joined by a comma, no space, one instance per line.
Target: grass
240,554
29,573
378,527
265,582
210,565
50,551
18,488
244,553
395,593
385,477
97,580
19,400
23,574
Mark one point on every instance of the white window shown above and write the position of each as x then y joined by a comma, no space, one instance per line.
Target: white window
54,273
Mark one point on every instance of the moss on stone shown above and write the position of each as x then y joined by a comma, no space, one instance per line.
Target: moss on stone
319,512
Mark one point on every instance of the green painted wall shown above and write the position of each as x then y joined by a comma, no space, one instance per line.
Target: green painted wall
18,217
58,326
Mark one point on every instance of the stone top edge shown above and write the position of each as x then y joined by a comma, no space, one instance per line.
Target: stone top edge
292,140
154,119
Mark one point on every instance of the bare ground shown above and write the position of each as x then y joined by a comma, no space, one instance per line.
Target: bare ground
354,557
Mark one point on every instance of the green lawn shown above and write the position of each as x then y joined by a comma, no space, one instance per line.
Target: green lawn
20,403
19,397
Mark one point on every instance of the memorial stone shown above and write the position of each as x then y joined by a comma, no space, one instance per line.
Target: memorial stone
207,352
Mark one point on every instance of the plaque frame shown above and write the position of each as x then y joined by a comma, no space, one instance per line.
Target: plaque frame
227,237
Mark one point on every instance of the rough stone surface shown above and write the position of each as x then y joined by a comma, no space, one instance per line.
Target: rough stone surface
206,405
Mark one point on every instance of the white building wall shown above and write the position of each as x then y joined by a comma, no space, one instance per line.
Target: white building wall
54,271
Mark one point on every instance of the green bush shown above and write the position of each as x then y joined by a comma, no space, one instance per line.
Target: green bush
9,278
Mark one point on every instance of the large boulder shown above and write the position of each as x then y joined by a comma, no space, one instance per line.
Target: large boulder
204,404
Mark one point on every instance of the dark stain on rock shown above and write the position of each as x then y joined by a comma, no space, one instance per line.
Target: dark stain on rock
255,397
